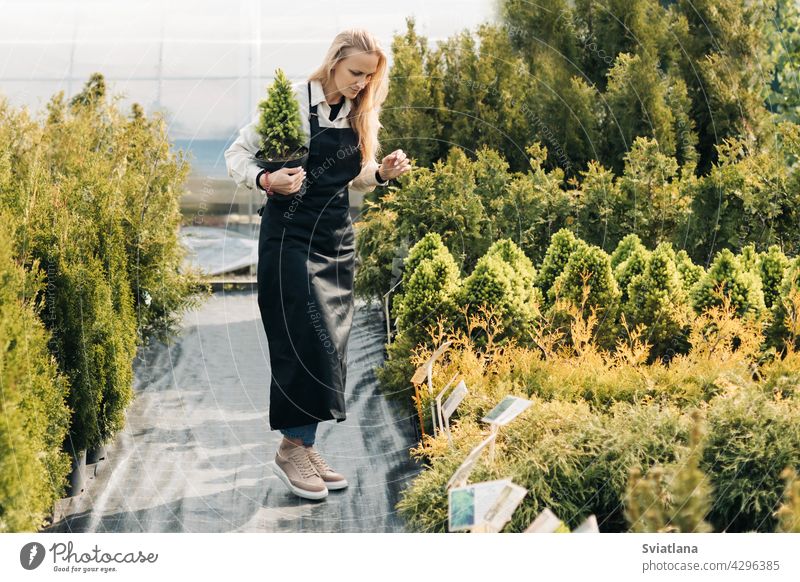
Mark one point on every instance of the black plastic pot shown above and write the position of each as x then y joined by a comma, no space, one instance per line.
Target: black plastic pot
77,476
299,158
96,454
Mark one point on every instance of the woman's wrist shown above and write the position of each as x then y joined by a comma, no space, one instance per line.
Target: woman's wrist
378,176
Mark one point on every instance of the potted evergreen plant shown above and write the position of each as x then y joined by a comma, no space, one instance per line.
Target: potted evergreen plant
280,128
77,474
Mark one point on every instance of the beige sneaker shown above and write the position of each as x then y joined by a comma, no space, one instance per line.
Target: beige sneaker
294,468
332,479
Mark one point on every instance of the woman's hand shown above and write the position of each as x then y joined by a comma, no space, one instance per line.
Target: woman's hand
285,181
394,165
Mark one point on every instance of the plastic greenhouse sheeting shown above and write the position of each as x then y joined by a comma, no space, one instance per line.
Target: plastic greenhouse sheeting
216,250
196,450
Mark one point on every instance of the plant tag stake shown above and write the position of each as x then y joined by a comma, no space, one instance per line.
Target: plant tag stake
509,408
589,525
439,407
426,370
545,522
450,405
461,475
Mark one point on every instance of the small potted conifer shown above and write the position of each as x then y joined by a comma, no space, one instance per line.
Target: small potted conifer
280,128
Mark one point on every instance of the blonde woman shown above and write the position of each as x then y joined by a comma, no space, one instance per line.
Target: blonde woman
306,249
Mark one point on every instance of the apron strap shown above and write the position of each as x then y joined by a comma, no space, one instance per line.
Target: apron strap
313,118
312,111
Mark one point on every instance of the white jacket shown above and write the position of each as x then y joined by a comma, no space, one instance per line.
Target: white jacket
244,170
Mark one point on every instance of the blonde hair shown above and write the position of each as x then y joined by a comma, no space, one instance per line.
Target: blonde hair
364,115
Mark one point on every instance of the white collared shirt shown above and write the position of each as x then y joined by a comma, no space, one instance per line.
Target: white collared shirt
238,157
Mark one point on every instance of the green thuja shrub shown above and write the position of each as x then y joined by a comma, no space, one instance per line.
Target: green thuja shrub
517,305
279,123
727,277
654,203
34,417
625,248
118,337
394,375
658,301
163,287
533,206
121,341
491,283
491,173
502,282
749,259
667,248
689,272
676,498
772,265
749,196
91,349
124,169
380,255
525,272
781,376
100,196
562,246
89,303
444,200
430,283
587,282
597,201
789,513
587,266
428,247
628,269
785,327
513,255
122,208
410,107
106,277
426,297
752,437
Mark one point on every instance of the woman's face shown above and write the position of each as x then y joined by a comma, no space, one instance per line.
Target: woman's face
352,73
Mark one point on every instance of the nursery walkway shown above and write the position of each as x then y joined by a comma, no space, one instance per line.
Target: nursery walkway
196,451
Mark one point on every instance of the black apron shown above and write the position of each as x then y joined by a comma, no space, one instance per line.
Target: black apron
306,257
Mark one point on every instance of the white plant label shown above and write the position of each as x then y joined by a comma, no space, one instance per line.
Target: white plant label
508,409
468,505
455,398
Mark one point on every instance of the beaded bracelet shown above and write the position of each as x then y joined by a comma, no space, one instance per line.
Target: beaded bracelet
266,190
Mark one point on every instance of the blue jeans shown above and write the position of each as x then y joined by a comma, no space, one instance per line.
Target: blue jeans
306,432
